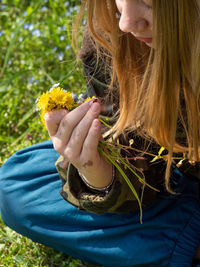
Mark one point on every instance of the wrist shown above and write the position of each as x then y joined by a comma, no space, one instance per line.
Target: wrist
100,184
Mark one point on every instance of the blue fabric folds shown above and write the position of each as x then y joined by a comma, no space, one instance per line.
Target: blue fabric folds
31,205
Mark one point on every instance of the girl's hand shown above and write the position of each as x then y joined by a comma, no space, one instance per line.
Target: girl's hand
75,135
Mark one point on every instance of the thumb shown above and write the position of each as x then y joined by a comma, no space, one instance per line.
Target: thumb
53,119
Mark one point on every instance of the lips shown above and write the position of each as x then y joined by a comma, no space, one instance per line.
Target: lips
145,40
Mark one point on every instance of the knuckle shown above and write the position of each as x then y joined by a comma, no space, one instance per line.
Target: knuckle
58,147
93,114
69,154
65,123
77,134
51,115
47,117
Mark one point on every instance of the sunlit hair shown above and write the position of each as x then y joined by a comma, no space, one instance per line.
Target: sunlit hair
159,88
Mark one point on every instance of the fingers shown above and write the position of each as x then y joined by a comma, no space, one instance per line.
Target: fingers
80,133
75,133
86,151
53,119
90,146
70,121
74,128
96,170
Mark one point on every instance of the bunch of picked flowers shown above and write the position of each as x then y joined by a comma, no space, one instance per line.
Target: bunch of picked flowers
58,98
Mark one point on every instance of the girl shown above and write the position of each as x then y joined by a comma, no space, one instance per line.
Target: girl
147,52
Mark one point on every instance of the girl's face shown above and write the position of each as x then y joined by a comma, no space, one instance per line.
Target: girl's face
136,18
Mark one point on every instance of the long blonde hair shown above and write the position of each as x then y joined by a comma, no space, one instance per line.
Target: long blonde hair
159,88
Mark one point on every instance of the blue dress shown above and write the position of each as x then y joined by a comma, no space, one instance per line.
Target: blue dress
30,204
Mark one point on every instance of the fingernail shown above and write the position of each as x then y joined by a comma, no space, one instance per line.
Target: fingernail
95,107
95,100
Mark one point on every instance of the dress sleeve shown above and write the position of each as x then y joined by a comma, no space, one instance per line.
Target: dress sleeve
118,198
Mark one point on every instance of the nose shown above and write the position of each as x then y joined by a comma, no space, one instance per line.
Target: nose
132,19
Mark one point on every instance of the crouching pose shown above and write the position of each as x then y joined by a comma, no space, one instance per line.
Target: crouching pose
142,60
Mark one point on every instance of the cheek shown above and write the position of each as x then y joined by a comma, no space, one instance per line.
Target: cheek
149,18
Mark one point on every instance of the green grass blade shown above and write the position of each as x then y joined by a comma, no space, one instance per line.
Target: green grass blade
8,52
107,125
140,179
26,116
126,179
13,40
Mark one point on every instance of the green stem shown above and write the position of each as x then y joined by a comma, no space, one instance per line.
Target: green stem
102,121
140,179
125,178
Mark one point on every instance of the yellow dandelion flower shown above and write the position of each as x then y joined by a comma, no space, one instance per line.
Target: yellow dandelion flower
43,101
42,117
57,95
58,99
87,99
69,101
51,105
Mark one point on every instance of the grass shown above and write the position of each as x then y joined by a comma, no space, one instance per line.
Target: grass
17,250
35,40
